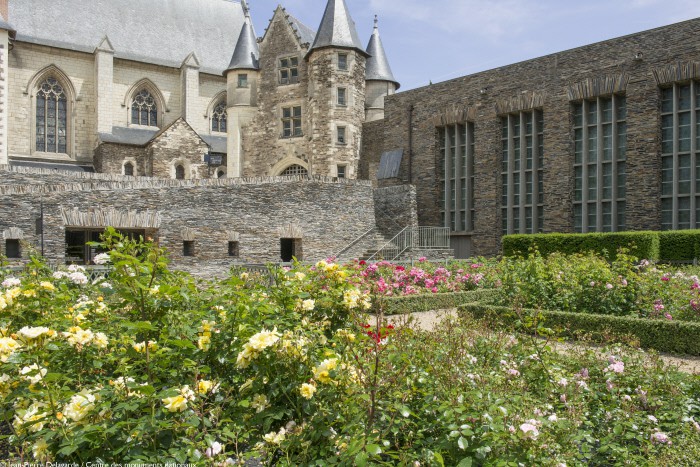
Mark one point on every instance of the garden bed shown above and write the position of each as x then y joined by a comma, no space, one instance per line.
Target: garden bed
428,302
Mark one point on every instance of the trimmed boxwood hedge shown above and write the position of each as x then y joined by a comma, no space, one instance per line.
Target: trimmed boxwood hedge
439,301
663,336
679,245
642,244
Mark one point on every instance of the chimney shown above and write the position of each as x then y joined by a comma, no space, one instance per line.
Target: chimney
4,11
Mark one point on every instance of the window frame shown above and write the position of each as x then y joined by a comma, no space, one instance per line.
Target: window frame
292,123
341,171
341,135
341,102
594,205
676,154
188,248
343,64
67,102
242,80
149,112
52,73
133,168
288,66
456,176
219,116
514,149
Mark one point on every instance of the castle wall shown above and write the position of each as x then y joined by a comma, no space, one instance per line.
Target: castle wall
548,82
325,214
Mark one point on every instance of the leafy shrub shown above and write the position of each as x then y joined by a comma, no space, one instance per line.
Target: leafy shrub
428,302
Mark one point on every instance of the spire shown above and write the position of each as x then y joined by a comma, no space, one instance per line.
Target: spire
246,55
378,68
337,29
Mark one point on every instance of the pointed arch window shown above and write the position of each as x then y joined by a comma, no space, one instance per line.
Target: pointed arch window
294,169
218,118
179,172
144,110
51,117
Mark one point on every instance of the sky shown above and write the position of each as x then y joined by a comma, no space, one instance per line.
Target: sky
438,40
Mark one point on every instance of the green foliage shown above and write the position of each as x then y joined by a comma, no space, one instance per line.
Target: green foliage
663,336
440,301
679,245
640,244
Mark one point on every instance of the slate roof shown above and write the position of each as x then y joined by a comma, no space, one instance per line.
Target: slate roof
52,166
131,136
377,64
162,32
306,34
337,29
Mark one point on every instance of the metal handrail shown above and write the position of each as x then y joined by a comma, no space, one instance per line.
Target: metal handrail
422,238
356,241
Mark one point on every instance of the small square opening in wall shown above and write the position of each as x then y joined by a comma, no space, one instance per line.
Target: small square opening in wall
12,248
233,250
188,248
342,171
290,248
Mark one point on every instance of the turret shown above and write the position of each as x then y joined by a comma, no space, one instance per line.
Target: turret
242,79
336,70
380,79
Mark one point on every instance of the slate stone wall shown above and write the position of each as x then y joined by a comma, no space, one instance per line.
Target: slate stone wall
395,208
644,61
325,214
110,159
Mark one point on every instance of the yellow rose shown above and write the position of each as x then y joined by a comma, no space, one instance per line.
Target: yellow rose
175,403
307,390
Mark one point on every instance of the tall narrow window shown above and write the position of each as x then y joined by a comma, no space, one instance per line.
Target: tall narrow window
343,62
342,170
680,156
188,248
341,135
600,147
218,118
129,169
291,121
456,177
289,70
242,80
522,196
51,117
233,249
144,110
179,172
342,96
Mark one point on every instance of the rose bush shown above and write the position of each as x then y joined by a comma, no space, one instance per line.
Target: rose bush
149,365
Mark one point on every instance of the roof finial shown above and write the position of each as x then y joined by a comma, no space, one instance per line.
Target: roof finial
246,10
376,22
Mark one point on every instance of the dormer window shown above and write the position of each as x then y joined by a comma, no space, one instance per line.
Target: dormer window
343,62
289,70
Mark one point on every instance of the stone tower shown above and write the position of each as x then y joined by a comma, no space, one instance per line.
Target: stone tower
336,96
7,34
242,80
380,79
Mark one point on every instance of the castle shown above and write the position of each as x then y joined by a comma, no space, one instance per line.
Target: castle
224,146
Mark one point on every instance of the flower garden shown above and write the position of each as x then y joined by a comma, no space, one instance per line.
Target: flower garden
293,368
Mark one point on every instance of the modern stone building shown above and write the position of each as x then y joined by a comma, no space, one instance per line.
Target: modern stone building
605,137
224,145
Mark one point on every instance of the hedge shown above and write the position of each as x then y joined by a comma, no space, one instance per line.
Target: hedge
642,244
438,301
679,245
664,336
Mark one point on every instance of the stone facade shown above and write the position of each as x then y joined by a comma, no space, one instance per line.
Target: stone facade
324,214
634,66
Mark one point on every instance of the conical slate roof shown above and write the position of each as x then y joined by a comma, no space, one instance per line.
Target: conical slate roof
337,29
246,55
378,68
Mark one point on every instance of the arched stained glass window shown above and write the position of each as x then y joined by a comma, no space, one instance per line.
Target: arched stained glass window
144,110
218,118
51,117
294,170
180,172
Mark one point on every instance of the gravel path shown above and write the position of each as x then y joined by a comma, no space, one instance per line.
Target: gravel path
428,319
